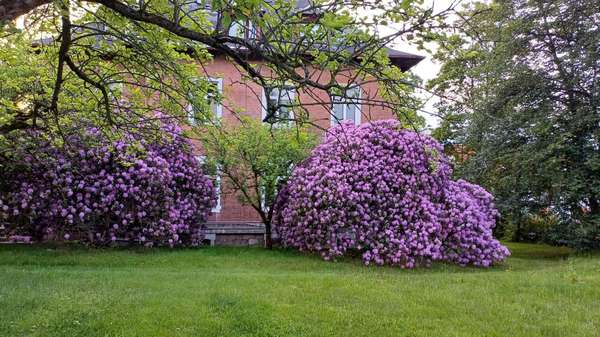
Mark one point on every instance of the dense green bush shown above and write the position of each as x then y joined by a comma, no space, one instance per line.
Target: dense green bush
582,235
533,228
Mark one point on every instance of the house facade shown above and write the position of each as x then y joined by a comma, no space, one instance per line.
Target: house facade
234,223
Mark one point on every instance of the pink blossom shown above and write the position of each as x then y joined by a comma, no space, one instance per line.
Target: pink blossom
386,192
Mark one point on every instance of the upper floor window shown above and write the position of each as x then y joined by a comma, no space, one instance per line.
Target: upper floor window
282,100
346,107
311,30
215,89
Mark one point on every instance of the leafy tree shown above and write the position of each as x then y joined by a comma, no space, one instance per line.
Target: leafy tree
83,54
61,72
520,85
256,161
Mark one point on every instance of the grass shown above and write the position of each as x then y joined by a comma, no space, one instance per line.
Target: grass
71,291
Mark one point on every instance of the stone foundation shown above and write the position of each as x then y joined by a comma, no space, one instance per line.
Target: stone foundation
234,234
240,240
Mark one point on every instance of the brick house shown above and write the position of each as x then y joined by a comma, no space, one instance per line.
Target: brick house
232,222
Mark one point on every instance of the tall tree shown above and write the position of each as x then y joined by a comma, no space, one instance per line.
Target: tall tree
80,52
520,84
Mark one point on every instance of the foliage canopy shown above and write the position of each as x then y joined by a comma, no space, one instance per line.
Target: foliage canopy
522,107
257,160
111,62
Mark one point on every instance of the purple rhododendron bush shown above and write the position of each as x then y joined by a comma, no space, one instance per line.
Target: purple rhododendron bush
99,191
469,217
386,192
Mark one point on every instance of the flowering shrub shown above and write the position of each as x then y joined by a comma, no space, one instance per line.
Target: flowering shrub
387,193
151,193
469,217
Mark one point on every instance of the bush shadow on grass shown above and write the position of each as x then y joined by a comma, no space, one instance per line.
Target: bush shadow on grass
282,259
538,251
546,255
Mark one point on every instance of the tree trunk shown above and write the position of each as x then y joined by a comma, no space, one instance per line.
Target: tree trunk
268,235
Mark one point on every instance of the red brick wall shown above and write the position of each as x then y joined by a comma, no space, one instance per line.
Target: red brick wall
244,97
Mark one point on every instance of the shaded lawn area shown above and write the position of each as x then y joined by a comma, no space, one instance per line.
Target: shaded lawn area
71,291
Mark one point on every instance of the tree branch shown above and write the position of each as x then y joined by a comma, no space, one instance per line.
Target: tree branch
62,55
85,78
11,9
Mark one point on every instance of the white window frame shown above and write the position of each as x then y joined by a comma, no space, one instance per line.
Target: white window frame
263,201
251,31
217,178
313,29
192,6
346,102
292,97
219,108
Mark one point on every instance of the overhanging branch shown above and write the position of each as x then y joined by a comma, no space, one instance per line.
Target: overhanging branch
12,9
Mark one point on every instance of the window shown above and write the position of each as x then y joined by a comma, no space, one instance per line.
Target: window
193,9
274,193
215,89
217,180
252,33
191,6
314,29
281,99
346,108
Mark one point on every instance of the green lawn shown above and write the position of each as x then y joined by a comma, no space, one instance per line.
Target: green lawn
540,291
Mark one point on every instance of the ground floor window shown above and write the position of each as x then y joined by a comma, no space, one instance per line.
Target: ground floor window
282,98
346,107
217,179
